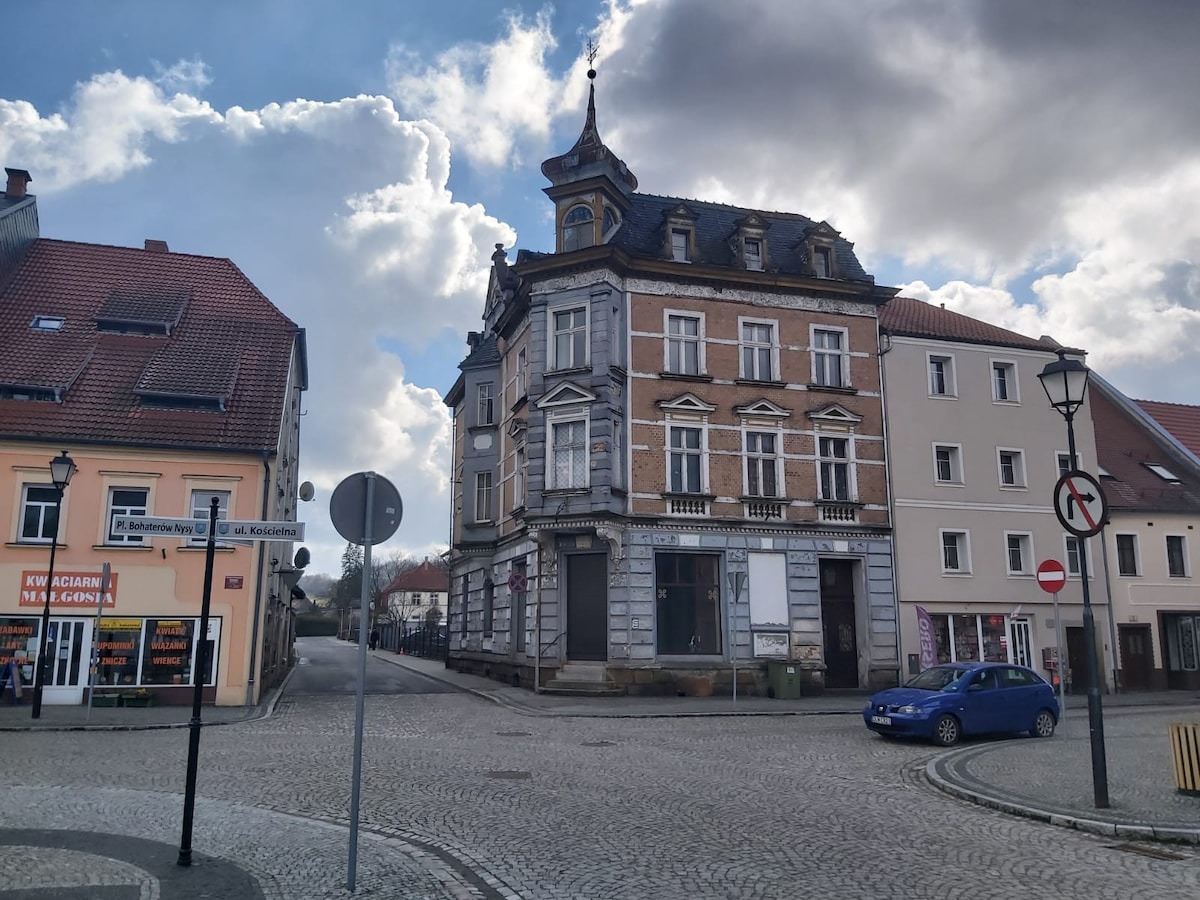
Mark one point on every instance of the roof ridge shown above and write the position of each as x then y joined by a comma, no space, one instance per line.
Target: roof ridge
731,206
1168,403
166,255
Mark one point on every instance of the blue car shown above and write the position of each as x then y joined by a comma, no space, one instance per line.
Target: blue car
945,702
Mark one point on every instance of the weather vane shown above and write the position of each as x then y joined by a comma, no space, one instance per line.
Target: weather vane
592,49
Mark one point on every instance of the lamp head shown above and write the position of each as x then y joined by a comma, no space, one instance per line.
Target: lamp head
1065,383
61,470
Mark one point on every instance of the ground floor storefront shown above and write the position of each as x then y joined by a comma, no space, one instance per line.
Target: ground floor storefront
663,610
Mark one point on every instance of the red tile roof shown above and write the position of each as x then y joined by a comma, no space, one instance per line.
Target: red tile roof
425,577
1124,447
226,340
916,318
1181,420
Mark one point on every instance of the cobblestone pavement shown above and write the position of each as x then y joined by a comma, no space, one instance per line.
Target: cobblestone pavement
478,799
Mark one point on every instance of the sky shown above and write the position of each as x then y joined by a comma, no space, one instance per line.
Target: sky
1033,164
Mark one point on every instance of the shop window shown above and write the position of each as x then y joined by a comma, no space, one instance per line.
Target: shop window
688,604
126,502
19,642
117,643
1181,639
971,638
39,513
167,646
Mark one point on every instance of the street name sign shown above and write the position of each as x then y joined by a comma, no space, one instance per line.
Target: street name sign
249,530
159,526
1051,576
1080,503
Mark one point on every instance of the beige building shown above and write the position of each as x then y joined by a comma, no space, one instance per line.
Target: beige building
975,450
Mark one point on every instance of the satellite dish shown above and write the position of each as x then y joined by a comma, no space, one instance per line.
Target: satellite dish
306,491
303,558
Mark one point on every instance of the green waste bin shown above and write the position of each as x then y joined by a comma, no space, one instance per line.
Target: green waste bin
783,680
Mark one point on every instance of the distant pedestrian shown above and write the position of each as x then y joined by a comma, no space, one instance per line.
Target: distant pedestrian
373,643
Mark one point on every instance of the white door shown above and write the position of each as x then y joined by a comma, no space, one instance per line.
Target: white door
1018,642
69,649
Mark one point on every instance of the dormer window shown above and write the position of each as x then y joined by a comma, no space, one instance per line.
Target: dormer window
752,253
1162,472
680,237
822,262
820,241
579,228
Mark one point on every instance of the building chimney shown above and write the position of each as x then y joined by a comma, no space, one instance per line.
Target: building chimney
156,246
18,180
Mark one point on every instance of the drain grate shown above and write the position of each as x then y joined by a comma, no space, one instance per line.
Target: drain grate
1147,850
599,744
514,733
508,774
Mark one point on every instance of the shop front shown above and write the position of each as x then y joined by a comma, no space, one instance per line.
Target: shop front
983,637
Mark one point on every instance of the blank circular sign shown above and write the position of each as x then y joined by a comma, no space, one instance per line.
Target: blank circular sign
348,509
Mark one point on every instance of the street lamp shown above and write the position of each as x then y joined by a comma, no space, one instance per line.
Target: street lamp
61,470
1065,382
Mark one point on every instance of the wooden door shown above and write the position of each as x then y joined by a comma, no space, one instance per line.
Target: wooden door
587,606
838,623
1077,664
1137,657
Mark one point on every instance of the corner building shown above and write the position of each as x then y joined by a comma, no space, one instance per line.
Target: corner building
669,451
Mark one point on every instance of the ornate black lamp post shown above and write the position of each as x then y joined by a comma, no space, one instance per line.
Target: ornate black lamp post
61,470
1065,382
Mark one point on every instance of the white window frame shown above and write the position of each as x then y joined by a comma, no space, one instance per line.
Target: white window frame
772,348
485,408
957,471
487,491
964,550
751,457
522,373
699,339
818,353
554,313
199,510
1012,385
567,418
1187,568
949,375
589,238
1059,456
1075,571
684,253
848,461
125,540
702,427
519,465
753,261
1025,547
1020,478
825,255
45,507
1137,555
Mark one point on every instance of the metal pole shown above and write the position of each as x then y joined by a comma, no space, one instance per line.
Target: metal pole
1095,709
363,613
537,626
40,670
1058,665
105,571
198,679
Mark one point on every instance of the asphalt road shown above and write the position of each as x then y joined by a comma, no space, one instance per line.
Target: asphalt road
330,666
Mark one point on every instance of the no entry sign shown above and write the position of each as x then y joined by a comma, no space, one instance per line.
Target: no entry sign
1051,576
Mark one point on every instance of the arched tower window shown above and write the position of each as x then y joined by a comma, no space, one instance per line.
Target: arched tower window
610,220
579,230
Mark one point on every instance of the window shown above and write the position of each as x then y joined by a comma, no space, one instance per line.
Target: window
47,323
752,253
1004,382
1012,468
1163,472
685,460
970,638
1063,460
201,504
579,230
758,350
679,245
39,513
828,358
568,455
1176,556
522,373
688,603
947,464
761,464
955,552
487,405
1074,565
570,338
466,604
1182,633
519,479
610,220
618,454
941,376
834,467
823,262
489,606
483,496
126,502
684,345
1019,552
1127,557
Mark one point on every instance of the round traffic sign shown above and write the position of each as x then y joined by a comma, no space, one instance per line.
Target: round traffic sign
517,582
1080,504
1051,576
348,509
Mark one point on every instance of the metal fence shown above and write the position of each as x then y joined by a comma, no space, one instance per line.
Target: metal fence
416,640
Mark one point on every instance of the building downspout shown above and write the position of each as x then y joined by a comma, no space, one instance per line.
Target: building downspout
1112,619
887,478
258,591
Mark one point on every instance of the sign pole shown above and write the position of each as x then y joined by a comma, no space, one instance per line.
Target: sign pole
105,572
1062,691
198,673
363,614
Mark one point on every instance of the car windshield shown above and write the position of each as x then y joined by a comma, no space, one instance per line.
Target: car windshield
939,678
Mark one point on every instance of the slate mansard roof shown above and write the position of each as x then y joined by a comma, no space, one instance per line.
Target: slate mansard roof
144,348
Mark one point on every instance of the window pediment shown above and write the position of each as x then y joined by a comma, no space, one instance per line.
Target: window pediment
686,403
762,409
834,414
566,394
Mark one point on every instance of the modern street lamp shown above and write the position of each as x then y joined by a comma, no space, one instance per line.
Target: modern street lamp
61,470
1065,382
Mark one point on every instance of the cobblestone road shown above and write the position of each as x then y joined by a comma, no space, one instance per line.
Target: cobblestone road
589,809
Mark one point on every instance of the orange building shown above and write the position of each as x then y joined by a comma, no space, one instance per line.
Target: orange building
170,380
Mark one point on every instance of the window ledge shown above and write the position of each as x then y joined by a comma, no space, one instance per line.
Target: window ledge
675,495
1014,487
45,544
562,492
953,484
1006,402
829,389
520,402
471,429
569,371
764,382
482,523
680,376
958,574
943,396
144,548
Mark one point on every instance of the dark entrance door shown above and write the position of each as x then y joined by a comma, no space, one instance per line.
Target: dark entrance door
837,623
587,606
1137,661
1077,666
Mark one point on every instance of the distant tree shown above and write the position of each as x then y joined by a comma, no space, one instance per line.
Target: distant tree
433,616
348,590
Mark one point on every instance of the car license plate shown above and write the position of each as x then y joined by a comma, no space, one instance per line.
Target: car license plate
881,720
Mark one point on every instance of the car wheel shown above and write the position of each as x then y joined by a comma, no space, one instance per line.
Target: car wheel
1043,724
946,730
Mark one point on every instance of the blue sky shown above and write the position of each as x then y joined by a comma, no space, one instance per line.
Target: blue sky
1026,163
